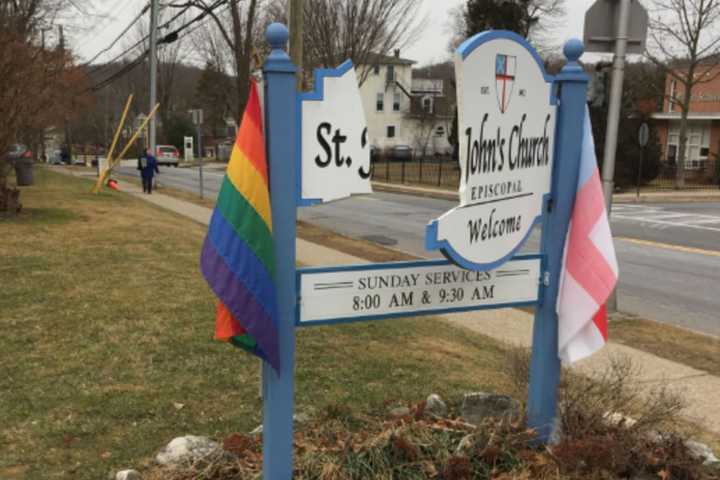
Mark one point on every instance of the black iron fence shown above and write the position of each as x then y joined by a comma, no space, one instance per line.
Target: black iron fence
444,172
436,171
698,175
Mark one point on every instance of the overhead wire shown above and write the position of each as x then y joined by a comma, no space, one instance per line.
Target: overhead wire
117,39
166,39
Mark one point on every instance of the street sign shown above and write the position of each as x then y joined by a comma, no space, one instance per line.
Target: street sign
643,135
601,23
188,147
197,116
335,151
506,113
389,290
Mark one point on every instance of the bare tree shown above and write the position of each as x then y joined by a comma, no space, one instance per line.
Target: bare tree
531,19
684,41
238,28
336,30
35,81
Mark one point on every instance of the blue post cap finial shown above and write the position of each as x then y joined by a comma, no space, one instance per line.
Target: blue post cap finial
277,36
573,49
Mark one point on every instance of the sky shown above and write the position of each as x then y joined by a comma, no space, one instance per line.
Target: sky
431,46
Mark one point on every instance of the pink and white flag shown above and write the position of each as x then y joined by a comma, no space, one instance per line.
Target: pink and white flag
590,269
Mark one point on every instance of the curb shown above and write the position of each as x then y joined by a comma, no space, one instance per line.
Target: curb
618,198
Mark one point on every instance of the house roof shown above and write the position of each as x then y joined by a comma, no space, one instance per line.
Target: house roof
378,59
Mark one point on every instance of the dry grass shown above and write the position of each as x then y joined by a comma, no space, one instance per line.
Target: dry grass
107,324
343,445
677,344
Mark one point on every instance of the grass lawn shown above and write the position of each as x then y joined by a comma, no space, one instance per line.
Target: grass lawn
107,350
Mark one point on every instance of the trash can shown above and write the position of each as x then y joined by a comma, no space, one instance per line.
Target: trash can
24,172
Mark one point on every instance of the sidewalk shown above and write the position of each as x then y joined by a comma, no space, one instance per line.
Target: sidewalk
512,326
645,197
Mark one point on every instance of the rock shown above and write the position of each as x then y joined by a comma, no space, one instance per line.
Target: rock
184,449
301,418
616,418
464,445
478,406
258,430
435,405
399,412
127,475
701,451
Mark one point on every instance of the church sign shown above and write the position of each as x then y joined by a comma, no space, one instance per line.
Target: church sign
506,118
334,150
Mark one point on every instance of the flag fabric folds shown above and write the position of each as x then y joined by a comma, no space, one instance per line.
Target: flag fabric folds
590,269
237,257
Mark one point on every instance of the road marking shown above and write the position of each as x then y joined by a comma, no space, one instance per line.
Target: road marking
659,218
667,246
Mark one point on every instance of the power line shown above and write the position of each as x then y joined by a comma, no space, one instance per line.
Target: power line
144,38
105,20
133,22
166,39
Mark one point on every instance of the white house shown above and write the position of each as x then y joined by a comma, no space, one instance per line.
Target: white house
405,111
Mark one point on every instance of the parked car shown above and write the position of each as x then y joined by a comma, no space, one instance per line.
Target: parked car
401,153
167,155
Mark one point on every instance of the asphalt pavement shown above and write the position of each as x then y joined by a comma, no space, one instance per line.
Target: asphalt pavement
669,254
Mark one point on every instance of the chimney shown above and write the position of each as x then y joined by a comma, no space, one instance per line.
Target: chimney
397,53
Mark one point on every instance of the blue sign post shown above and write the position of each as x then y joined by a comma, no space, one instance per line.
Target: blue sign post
571,85
554,150
281,130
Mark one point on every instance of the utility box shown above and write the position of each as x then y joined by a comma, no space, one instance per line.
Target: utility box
189,148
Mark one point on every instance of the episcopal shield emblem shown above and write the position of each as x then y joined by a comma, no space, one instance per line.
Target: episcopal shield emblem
505,67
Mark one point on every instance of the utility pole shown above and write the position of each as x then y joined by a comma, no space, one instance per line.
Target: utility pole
296,37
68,139
153,72
613,121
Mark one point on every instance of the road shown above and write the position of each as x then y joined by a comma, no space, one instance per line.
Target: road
669,254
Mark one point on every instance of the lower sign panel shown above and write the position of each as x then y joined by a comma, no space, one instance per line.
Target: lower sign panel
391,290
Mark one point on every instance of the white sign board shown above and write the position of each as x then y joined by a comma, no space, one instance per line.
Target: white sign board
188,148
335,152
362,292
506,116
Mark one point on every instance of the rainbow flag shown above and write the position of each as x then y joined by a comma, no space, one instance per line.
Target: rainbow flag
237,258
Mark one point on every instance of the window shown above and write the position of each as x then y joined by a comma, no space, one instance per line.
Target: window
376,70
391,73
396,102
391,131
697,149
673,91
380,102
440,131
427,104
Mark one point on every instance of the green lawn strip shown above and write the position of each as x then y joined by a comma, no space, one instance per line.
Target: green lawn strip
672,343
107,351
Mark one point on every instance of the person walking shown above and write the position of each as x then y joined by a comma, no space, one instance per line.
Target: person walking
147,164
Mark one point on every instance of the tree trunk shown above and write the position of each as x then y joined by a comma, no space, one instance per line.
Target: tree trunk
682,147
682,150
242,53
9,197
